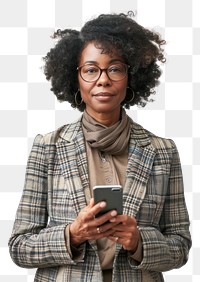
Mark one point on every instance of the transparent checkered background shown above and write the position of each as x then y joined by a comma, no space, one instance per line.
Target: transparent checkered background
28,107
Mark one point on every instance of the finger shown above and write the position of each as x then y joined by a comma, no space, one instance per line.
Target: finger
106,229
92,202
89,206
115,239
99,207
125,220
122,218
99,233
130,229
103,219
91,210
118,228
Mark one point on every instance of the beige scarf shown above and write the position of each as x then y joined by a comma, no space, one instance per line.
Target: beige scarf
112,140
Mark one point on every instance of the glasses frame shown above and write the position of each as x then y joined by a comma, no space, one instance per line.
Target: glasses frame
101,70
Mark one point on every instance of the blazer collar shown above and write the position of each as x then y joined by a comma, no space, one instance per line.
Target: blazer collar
70,131
138,135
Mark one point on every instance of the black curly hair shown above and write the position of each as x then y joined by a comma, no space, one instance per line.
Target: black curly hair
139,47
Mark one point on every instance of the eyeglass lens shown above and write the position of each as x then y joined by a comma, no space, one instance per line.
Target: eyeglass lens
92,72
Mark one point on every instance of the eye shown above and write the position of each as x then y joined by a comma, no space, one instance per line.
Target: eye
116,69
90,70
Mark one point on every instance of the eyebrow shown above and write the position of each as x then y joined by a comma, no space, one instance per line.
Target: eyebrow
110,62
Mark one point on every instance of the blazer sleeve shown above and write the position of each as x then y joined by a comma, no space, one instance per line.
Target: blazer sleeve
32,243
167,247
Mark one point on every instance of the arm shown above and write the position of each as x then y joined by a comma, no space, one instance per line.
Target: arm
167,247
32,244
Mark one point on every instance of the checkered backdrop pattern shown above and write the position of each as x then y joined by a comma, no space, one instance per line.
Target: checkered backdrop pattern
28,107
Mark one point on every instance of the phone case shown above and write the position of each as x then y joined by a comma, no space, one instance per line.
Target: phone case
112,195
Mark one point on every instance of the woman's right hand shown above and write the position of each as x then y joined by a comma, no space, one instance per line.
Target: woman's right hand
87,227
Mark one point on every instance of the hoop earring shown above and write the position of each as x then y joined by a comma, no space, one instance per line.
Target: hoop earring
75,98
132,94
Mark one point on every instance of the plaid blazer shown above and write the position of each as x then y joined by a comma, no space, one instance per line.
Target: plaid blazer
53,195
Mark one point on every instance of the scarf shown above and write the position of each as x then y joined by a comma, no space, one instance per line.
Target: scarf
112,140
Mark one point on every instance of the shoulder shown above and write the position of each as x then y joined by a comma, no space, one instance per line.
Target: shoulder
65,132
145,137
164,148
160,142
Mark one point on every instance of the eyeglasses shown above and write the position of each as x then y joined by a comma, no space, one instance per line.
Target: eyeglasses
115,72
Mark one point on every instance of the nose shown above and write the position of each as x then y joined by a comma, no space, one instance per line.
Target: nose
103,79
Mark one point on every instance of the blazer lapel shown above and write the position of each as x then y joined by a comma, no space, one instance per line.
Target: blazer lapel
140,162
73,162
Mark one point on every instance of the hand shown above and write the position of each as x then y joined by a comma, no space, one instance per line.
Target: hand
87,227
125,232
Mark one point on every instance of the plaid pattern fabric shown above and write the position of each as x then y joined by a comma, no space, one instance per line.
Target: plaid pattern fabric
54,194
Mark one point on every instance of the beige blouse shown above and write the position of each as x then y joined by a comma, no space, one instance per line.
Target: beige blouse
105,170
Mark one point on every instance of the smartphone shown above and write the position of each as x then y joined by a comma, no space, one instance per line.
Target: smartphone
112,195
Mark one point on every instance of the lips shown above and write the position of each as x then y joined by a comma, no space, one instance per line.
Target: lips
103,97
103,94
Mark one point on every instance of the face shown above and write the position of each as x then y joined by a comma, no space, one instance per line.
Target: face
104,96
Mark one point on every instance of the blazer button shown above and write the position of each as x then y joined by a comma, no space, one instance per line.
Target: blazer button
108,179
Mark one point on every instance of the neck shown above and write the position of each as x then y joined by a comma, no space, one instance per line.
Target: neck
107,119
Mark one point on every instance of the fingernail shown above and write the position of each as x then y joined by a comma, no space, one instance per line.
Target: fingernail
113,213
102,204
113,219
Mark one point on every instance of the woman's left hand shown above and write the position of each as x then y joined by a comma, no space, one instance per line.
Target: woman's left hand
126,232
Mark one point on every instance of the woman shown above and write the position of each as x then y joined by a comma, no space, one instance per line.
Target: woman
110,65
